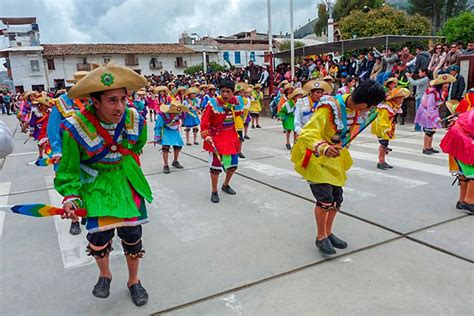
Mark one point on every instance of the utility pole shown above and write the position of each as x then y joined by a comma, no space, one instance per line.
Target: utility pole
270,44
292,43
329,4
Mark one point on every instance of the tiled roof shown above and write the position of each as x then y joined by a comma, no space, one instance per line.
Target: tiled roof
106,49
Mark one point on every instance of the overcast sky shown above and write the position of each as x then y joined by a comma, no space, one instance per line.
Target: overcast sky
126,21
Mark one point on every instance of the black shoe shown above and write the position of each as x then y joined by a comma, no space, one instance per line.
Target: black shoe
241,156
227,189
381,166
434,151
468,207
253,126
288,146
177,165
196,143
459,205
188,144
166,170
246,137
325,246
75,228
336,242
102,288
427,152
402,121
214,197
83,221
258,126
388,166
138,294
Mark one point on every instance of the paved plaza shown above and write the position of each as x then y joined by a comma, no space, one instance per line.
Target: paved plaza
410,251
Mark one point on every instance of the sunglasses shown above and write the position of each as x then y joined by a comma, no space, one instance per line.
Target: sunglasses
438,47
453,46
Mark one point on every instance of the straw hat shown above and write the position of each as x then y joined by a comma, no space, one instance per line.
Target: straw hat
108,77
283,83
175,107
142,91
298,91
317,84
240,86
452,105
78,75
27,94
393,79
171,84
180,89
203,87
257,86
442,78
192,90
211,87
329,78
161,88
399,92
288,86
44,100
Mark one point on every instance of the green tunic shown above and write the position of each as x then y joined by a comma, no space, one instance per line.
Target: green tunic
287,115
104,187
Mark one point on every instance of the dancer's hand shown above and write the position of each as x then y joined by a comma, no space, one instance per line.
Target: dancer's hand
69,211
209,140
333,151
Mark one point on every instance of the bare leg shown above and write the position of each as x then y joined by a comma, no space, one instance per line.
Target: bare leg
382,152
165,157
102,263
195,133
214,180
426,142
187,137
176,154
132,264
287,135
330,221
469,197
228,176
246,130
295,137
256,119
462,188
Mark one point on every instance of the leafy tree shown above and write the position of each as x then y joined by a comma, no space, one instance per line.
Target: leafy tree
342,8
197,68
437,10
321,25
459,28
382,21
286,45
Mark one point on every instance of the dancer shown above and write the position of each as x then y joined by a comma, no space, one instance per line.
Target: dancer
319,157
218,129
240,91
100,171
384,125
287,115
38,121
256,105
167,132
306,106
191,119
427,115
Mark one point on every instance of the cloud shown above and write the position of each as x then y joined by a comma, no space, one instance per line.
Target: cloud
132,21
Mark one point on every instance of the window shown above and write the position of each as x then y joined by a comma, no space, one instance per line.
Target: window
131,60
252,56
11,37
155,64
106,59
59,83
237,57
180,63
37,87
35,65
51,65
84,60
226,57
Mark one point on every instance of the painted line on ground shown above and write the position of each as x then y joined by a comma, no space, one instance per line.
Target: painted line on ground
383,177
406,164
404,140
27,153
72,248
4,189
404,150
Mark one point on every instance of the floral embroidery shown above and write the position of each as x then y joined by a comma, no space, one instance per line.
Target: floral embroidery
107,79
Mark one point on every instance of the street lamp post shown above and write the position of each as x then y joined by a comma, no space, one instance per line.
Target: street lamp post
292,42
204,57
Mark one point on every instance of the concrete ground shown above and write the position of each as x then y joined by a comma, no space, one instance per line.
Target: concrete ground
410,251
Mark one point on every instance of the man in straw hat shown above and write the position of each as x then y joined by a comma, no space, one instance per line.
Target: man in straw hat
287,115
319,157
167,132
64,107
38,122
384,125
427,115
100,171
218,129
306,106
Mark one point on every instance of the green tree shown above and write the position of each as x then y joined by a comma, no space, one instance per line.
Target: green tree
197,68
459,28
382,21
321,25
286,45
342,8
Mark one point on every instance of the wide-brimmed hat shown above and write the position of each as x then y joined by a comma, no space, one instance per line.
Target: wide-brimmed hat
240,86
211,87
399,92
329,78
442,78
142,91
288,86
283,83
78,75
107,77
179,89
161,88
298,91
203,87
452,105
317,84
257,86
27,94
192,90
171,84
393,79
175,107
44,100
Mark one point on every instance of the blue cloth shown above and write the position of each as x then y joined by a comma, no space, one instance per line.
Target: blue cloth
54,131
167,132
417,104
192,118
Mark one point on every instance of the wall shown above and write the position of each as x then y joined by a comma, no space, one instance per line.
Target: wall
244,57
21,69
